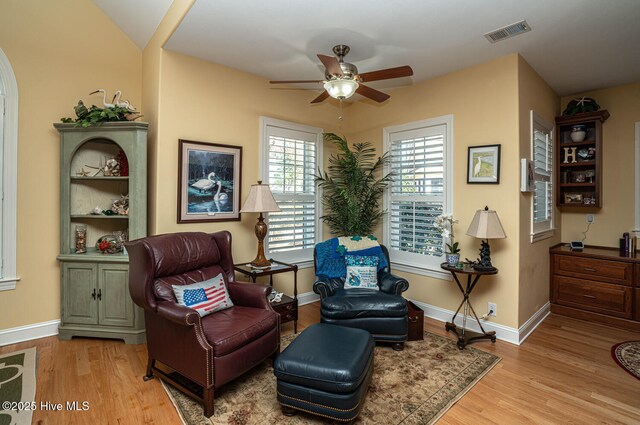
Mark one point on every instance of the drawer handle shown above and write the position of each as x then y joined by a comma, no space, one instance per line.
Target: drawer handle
589,296
587,269
93,294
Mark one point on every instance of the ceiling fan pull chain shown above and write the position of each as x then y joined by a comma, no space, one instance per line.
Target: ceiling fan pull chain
340,116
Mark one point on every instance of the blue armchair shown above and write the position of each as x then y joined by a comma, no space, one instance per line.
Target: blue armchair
381,312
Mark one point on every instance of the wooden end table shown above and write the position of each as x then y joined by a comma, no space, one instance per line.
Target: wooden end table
466,336
287,308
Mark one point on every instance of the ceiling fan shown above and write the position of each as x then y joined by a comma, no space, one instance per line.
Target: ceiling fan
342,79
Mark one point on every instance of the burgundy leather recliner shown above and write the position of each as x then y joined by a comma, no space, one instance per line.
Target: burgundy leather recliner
210,350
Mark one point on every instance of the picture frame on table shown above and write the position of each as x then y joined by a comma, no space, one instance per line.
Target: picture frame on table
483,164
209,182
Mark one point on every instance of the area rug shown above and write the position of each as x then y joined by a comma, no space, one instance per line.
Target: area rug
627,355
413,386
17,387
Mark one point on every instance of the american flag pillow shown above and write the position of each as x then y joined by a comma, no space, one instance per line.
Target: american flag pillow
204,297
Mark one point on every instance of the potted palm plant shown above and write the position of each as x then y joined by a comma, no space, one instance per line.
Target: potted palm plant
352,187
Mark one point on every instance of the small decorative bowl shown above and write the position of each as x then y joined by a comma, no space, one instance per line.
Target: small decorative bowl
578,132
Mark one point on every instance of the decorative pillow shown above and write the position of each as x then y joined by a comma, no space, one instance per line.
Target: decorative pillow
362,272
204,297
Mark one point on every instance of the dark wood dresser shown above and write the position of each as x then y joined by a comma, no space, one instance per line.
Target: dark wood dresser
596,284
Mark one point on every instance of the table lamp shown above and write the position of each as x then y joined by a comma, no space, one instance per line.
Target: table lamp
260,200
485,225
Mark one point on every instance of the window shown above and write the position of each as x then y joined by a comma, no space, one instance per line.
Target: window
291,153
8,173
542,202
422,188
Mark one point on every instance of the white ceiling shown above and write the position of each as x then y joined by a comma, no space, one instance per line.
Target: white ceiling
575,45
138,19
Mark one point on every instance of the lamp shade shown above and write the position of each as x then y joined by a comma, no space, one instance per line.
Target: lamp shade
341,89
486,225
260,200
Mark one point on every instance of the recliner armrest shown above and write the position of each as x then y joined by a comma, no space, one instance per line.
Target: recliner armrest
392,284
323,286
250,294
178,313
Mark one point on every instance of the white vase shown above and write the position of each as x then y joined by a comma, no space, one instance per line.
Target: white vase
453,259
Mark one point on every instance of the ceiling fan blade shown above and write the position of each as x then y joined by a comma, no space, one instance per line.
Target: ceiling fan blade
332,64
320,98
386,74
372,94
295,81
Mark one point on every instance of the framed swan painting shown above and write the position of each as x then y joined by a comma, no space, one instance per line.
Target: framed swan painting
209,183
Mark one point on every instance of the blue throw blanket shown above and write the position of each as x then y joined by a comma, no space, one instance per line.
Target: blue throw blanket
330,254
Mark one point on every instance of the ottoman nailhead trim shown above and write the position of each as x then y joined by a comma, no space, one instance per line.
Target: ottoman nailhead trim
319,405
318,414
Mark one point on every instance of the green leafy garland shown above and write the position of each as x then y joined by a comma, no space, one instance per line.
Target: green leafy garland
96,116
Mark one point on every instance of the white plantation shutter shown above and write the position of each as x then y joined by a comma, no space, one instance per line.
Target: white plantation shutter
419,192
291,154
542,152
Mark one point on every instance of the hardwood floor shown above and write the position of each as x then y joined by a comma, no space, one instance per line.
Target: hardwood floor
562,374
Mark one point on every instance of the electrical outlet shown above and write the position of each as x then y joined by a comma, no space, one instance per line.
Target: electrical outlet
590,218
492,307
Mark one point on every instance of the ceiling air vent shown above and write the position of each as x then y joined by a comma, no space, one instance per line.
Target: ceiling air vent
508,31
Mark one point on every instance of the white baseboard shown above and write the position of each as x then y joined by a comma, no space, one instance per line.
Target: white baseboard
28,332
308,298
530,325
503,333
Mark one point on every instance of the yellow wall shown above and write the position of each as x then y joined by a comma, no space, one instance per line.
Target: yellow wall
60,51
183,97
618,197
533,279
202,101
151,70
483,100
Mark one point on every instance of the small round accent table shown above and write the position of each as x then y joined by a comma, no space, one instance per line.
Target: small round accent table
466,336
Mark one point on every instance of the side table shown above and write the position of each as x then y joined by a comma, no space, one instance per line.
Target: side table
287,308
466,336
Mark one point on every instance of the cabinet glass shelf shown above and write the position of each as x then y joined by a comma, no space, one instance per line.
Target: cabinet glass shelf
80,178
99,217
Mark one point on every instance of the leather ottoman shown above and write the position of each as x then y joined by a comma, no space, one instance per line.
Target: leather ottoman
326,371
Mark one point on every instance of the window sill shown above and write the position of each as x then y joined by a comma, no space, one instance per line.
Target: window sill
421,270
8,283
546,234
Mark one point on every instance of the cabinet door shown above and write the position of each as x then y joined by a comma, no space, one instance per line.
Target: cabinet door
115,304
637,305
79,303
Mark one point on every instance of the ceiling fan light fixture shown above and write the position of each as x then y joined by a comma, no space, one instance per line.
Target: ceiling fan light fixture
341,88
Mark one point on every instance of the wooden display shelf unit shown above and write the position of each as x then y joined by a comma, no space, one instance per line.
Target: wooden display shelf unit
95,299
579,164
596,284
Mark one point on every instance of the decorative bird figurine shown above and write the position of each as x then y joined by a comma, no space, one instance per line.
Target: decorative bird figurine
81,110
104,98
205,184
122,104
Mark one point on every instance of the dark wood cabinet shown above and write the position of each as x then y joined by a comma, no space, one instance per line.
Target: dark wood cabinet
596,284
578,160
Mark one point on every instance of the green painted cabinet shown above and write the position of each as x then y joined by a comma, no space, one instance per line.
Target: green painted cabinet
95,286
